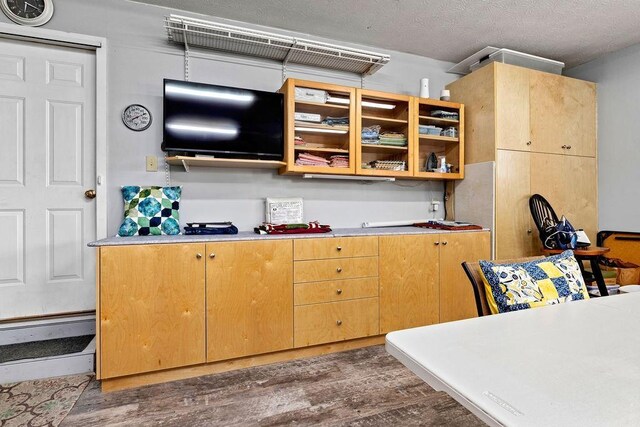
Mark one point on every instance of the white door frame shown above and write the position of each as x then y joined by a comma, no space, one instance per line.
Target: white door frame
99,45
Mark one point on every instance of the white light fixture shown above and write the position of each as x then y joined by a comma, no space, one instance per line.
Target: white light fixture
349,177
211,93
321,130
378,105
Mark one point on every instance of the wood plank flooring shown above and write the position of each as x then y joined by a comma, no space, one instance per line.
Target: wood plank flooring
364,387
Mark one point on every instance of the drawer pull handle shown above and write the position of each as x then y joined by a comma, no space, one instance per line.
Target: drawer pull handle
568,147
339,322
339,291
445,243
564,146
528,142
212,255
198,256
436,243
339,248
339,269
529,231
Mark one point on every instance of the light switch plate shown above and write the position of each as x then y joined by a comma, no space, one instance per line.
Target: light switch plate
152,164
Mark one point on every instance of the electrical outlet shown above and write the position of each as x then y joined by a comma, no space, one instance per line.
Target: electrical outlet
152,164
435,205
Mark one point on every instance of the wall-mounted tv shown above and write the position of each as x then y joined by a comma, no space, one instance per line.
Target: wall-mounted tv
222,121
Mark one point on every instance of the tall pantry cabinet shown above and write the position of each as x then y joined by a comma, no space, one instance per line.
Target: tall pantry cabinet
540,130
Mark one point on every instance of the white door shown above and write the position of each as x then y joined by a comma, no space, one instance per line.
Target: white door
47,162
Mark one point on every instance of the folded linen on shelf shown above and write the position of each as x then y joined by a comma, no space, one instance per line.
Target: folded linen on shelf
311,227
339,161
334,121
307,159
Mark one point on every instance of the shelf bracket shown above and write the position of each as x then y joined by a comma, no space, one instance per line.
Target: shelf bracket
185,165
361,81
285,61
186,54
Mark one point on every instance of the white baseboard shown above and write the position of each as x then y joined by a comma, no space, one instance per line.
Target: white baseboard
47,329
47,367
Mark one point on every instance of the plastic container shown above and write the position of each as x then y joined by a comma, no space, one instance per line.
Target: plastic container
429,130
513,57
450,132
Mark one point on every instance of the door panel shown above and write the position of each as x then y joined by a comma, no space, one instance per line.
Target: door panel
515,235
457,300
152,310
409,281
512,107
249,298
47,125
569,183
563,113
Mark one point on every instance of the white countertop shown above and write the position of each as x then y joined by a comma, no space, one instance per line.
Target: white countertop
250,235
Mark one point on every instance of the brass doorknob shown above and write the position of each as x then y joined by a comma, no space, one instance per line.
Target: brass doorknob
198,256
339,291
339,269
436,243
338,322
445,243
90,194
339,248
212,255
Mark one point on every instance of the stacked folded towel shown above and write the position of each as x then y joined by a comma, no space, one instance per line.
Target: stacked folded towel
307,159
393,138
339,161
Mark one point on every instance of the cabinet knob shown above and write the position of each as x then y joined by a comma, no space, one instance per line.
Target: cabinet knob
568,147
212,255
564,146
338,322
339,248
436,243
529,231
445,243
198,256
338,291
339,269
528,142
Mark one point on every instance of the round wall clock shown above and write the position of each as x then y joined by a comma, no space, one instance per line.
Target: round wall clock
136,117
28,12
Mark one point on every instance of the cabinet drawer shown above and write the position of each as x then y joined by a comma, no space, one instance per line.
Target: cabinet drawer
332,269
335,321
334,290
336,247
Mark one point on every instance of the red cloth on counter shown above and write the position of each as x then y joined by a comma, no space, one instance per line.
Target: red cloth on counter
312,227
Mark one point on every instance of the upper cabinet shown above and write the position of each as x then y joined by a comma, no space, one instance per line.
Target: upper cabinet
331,129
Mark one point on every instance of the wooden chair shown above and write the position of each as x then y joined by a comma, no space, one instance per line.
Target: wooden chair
474,273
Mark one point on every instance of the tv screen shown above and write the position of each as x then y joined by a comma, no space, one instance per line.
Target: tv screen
222,121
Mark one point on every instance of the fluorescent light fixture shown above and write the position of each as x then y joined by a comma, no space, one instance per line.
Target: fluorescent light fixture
378,105
349,177
320,130
202,129
344,101
239,96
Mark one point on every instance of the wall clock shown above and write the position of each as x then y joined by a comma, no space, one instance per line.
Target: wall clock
136,117
28,12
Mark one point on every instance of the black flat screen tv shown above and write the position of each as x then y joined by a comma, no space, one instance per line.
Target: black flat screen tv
222,121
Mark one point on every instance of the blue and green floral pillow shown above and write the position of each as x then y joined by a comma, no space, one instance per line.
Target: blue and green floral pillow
150,211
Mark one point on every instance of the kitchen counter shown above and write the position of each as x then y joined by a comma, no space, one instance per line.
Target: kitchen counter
250,235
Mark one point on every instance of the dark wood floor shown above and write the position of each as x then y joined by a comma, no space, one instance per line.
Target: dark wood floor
364,387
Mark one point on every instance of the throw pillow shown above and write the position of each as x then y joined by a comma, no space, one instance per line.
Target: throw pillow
550,280
150,211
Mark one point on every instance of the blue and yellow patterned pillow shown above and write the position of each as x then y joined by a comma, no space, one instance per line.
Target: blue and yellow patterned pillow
150,211
546,281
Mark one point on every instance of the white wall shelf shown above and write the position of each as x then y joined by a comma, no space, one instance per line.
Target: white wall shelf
286,49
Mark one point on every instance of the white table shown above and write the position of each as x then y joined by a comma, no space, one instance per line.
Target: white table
574,364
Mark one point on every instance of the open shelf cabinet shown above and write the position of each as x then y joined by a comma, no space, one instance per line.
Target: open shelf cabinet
333,143
451,147
391,117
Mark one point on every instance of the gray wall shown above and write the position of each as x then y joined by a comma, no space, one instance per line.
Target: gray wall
617,75
139,57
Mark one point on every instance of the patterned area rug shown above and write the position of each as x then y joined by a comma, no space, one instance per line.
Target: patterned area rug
40,402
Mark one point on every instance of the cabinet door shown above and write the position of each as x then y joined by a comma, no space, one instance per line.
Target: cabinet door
563,113
514,233
512,108
409,277
457,300
249,298
151,308
569,183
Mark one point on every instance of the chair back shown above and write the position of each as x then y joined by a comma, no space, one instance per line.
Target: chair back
474,273
542,213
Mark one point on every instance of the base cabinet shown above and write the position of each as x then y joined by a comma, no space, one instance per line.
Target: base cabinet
168,306
249,298
151,308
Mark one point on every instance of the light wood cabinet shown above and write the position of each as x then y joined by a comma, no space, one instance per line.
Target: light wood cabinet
152,308
457,300
249,298
409,281
539,129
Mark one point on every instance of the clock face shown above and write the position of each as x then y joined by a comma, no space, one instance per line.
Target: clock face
28,12
136,117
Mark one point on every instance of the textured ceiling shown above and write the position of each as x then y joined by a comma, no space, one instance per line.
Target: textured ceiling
572,31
